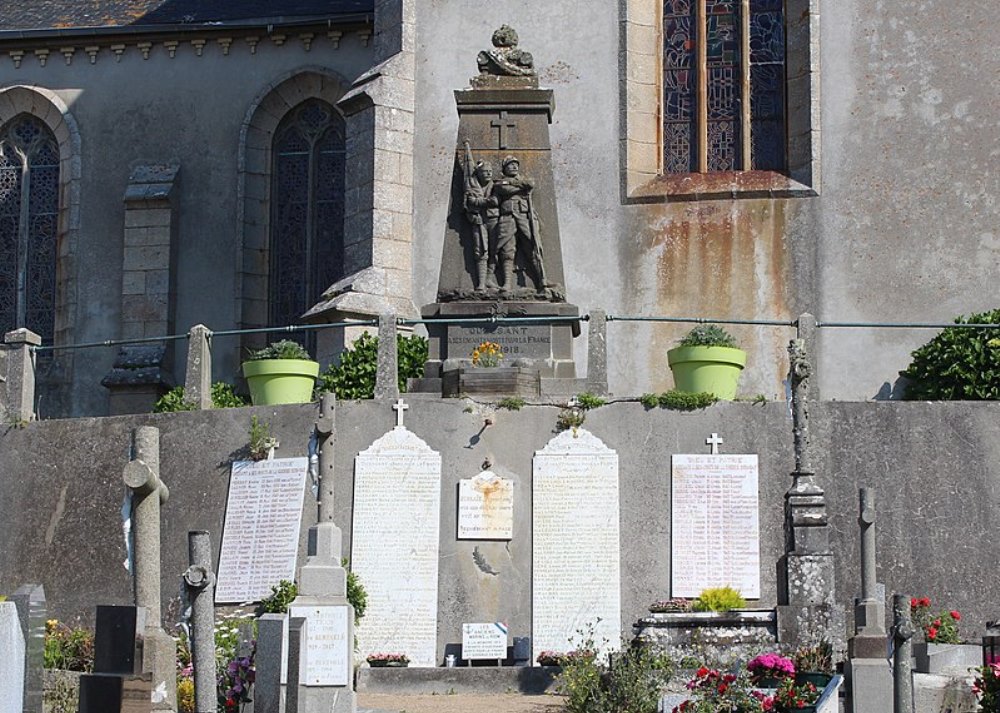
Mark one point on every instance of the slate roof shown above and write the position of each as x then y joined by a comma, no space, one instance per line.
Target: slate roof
24,15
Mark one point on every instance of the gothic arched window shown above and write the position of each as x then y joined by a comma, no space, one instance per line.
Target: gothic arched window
724,85
307,218
29,208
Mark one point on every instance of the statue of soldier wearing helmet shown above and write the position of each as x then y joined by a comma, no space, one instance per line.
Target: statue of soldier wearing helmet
517,226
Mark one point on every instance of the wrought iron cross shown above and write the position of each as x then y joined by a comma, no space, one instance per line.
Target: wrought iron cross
503,124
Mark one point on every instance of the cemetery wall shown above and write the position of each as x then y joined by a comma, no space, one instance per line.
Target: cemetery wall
933,466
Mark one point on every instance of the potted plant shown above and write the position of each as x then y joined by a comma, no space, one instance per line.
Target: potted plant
814,664
388,660
800,698
941,651
280,373
707,360
769,670
712,691
987,687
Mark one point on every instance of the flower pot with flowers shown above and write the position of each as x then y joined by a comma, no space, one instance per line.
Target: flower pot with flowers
280,373
707,360
814,664
390,660
712,691
550,658
770,670
942,650
484,374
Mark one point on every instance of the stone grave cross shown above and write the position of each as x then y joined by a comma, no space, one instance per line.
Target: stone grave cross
715,442
399,407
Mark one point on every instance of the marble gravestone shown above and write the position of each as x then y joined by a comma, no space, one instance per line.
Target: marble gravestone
715,529
12,670
486,507
395,544
575,550
502,253
260,539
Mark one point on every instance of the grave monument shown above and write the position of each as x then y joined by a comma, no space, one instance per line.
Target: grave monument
502,254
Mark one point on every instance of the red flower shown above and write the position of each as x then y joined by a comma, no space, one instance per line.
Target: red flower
722,688
955,615
932,633
702,672
914,602
925,602
937,622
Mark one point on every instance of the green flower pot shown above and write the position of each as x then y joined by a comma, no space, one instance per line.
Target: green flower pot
715,370
280,381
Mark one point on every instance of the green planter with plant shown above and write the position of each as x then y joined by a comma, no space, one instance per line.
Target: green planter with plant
707,360
281,373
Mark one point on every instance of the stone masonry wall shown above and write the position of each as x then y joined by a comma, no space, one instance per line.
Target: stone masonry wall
933,467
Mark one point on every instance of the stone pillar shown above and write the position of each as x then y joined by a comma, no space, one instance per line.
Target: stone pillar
297,637
808,332
199,580
32,613
198,374
386,375
19,385
142,477
597,353
807,611
902,665
323,590
270,654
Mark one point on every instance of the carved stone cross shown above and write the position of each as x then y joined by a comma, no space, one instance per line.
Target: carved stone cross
715,442
399,407
503,124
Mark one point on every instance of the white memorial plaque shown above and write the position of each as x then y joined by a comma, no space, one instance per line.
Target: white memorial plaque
395,543
260,539
484,641
486,508
575,531
715,531
328,652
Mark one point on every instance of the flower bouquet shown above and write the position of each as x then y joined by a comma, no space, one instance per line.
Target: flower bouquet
487,355
795,697
388,660
769,670
550,658
940,628
715,692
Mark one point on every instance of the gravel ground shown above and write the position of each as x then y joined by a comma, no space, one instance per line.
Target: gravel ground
459,703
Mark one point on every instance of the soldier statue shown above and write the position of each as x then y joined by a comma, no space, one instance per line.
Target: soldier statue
482,209
517,226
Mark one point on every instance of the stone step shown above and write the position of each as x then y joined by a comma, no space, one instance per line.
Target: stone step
533,680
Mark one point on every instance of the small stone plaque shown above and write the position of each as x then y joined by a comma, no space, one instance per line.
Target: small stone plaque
260,539
328,651
486,507
484,641
395,543
715,532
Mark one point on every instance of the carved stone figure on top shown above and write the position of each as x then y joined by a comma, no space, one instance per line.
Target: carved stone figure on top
506,59
482,210
517,226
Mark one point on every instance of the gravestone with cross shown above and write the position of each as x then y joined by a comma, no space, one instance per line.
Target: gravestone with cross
502,254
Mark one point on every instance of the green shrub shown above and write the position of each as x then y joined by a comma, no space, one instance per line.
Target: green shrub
283,349
68,648
588,401
511,403
719,599
678,400
570,418
708,335
960,363
356,593
282,595
223,396
354,377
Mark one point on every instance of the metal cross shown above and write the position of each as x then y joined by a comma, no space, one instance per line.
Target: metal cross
399,407
502,123
715,442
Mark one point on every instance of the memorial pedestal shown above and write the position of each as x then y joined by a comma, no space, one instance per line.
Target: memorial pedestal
722,638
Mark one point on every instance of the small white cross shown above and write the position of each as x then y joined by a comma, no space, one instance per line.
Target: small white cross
399,407
715,442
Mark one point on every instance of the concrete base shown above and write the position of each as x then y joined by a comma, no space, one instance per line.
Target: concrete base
871,686
160,659
946,659
533,680
939,694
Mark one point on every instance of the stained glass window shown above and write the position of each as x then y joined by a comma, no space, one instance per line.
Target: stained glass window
723,85
29,208
307,220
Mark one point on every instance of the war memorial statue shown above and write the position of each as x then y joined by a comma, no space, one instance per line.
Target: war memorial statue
501,254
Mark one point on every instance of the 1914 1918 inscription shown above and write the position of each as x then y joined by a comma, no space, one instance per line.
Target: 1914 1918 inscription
260,539
520,341
714,524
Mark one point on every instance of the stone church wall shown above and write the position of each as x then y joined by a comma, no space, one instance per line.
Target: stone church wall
932,465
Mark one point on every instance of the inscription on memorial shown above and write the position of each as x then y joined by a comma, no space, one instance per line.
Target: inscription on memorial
532,341
486,508
260,539
484,641
397,504
575,531
328,653
714,515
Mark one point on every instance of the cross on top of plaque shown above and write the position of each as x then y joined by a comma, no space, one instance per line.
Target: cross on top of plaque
503,123
715,442
399,407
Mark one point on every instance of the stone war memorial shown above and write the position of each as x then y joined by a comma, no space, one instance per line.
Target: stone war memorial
518,511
